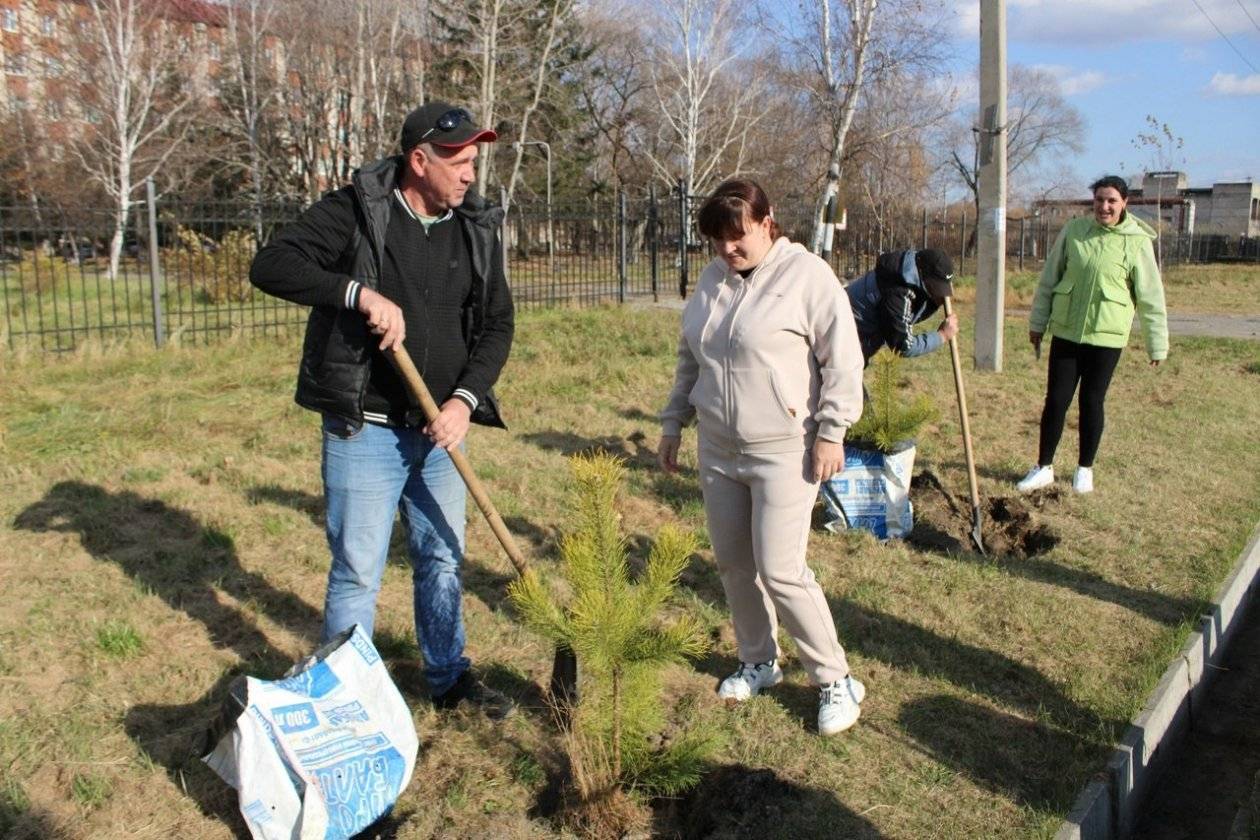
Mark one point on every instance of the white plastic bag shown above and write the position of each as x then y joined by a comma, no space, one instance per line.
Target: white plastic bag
322,753
873,492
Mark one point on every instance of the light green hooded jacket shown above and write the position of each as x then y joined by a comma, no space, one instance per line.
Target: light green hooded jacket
1095,276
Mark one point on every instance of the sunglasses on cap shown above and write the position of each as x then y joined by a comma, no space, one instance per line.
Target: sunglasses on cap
448,121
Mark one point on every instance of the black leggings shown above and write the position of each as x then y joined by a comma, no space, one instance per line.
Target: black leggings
1070,363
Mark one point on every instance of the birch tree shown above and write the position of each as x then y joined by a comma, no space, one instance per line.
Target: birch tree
558,13
251,93
476,35
706,107
346,96
841,59
139,89
854,42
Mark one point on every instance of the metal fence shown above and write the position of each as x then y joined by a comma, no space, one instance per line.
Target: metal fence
57,289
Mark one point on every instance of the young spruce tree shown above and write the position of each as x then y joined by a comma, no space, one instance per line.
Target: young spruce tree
616,628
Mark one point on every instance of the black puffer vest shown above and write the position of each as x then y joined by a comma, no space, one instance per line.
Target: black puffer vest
336,354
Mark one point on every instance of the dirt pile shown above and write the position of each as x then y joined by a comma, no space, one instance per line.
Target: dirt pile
1009,526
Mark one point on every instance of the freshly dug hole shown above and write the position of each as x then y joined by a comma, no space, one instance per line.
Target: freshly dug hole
1009,526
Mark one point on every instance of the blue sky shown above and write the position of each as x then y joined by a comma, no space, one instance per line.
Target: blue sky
1122,60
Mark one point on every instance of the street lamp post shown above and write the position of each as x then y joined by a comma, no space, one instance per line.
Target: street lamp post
551,238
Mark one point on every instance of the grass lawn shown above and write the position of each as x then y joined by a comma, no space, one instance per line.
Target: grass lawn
161,532
1208,289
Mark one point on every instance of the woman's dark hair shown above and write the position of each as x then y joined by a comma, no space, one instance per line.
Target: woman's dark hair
733,204
1115,182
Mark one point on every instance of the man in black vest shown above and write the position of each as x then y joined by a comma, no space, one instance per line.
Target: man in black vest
406,255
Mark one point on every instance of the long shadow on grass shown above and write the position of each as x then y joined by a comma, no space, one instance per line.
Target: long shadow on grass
679,490
1162,608
1030,763
1165,609
20,822
186,564
906,646
635,450
738,801
172,554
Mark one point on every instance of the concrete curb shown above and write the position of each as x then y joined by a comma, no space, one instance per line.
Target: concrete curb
1106,810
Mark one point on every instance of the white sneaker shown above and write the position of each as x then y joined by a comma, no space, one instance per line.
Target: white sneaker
1037,478
1083,482
750,679
839,705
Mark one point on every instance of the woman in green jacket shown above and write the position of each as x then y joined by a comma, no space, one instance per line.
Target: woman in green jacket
1100,270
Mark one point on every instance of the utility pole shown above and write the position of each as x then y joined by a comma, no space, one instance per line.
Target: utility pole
991,226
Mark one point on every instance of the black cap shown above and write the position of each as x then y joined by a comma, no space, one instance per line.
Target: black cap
936,270
442,124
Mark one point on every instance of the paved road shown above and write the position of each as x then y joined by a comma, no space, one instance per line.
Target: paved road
1192,323
1217,326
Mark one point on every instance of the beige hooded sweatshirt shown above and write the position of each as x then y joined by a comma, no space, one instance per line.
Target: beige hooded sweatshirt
767,362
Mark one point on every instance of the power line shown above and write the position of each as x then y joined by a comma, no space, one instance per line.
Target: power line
1224,36
1248,14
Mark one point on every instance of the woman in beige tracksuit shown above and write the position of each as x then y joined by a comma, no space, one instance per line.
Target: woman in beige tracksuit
770,366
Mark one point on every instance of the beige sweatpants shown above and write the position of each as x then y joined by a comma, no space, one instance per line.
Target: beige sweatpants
758,509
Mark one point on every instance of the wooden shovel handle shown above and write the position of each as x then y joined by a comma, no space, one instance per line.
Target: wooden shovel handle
420,393
962,414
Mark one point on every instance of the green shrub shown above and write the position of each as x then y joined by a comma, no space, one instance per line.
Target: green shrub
887,420
40,273
217,272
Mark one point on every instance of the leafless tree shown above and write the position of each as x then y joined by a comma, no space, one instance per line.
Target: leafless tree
1040,126
852,43
705,103
251,92
139,91
352,71
558,14
613,92
478,37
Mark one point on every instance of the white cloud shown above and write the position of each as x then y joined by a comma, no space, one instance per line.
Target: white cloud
1076,22
1194,55
1227,84
1073,81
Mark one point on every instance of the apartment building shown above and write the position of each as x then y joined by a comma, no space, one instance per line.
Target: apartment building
45,90
1227,208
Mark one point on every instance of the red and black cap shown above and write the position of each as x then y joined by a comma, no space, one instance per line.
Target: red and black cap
442,124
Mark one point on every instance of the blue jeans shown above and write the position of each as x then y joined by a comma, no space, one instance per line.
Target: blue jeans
368,474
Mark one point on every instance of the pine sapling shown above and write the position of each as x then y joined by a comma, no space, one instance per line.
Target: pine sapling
888,421
622,638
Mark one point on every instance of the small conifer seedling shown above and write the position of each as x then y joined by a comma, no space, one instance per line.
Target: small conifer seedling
617,628
888,420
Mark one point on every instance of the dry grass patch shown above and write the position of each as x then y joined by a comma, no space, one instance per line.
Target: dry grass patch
173,498
1208,289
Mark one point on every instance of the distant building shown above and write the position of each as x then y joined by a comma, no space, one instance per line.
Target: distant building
1227,208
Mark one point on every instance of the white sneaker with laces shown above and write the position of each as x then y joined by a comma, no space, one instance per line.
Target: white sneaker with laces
1037,478
839,705
750,679
1083,481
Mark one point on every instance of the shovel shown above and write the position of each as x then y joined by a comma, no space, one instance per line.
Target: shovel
564,673
976,537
